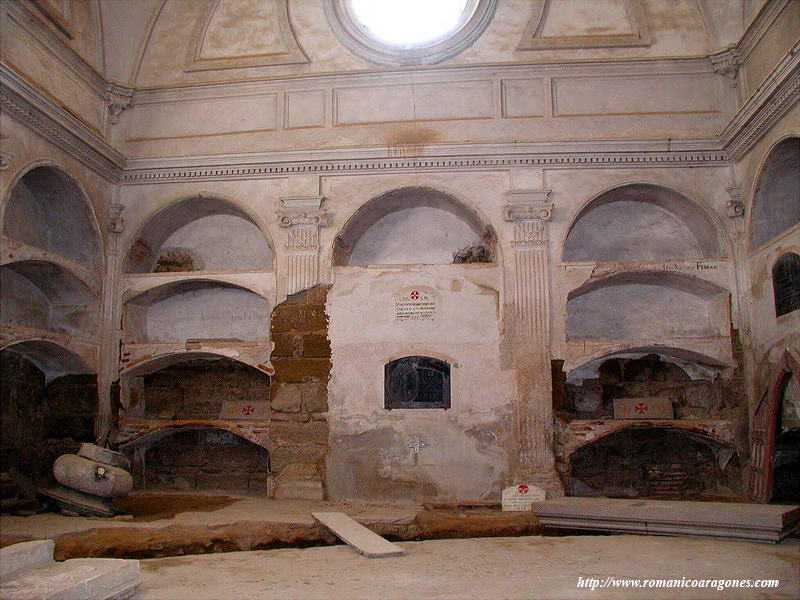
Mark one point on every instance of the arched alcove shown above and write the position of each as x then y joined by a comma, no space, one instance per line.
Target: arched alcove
651,462
414,225
689,382
48,403
641,221
196,309
48,210
776,201
45,295
199,457
195,234
647,304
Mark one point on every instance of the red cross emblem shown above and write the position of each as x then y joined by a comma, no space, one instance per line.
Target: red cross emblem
247,409
414,295
523,489
640,408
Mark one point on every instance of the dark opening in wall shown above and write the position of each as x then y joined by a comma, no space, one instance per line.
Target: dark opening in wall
204,459
786,283
417,382
647,462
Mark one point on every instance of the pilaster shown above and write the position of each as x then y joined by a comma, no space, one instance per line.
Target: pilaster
302,217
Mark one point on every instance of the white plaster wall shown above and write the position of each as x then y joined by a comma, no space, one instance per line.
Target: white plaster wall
223,243
206,313
642,311
467,446
422,235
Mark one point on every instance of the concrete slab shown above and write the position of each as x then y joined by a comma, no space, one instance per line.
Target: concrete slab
358,537
758,522
26,555
29,572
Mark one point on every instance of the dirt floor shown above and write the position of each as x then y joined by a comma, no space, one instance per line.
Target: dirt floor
167,524
523,567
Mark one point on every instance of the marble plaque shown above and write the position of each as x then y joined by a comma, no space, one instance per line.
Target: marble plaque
643,408
415,305
520,497
244,409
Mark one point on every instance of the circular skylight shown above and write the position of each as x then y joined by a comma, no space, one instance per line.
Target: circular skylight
408,32
409,22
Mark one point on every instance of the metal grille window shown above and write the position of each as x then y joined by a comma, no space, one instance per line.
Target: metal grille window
786,283
417,382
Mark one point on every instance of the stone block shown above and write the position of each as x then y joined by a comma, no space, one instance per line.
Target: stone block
298,317
286,455
315,397
299,434
26,555
287,398
297,370
316,345
286,345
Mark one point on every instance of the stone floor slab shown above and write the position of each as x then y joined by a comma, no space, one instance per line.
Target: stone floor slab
358,537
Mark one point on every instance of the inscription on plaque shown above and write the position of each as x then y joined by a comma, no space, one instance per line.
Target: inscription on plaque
415,305
417,382
520,497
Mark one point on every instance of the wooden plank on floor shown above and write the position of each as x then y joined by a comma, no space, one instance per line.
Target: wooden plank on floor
358,537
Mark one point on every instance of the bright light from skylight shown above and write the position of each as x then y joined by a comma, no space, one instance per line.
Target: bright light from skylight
409,22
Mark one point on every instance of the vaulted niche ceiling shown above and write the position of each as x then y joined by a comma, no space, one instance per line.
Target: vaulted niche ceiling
641,222
196,309
51,358
776,204
195,235
44,295
413,225
48,210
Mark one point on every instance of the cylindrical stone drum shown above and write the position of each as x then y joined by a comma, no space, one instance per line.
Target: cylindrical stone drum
92,477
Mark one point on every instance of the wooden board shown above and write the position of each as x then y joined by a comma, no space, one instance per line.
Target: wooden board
358,537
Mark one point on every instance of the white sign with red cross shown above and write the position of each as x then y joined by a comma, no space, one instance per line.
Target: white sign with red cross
244,409
643,408
520,497
415,304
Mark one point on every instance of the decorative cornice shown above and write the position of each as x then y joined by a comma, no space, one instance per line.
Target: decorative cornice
29,106
779,92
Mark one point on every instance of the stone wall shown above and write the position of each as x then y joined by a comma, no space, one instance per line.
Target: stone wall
196,389
40,421
299,393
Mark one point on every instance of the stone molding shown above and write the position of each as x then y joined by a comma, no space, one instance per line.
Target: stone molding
29,106
727,64
302,216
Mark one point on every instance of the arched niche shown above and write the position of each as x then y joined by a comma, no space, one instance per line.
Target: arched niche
413,225
198,457
52,359
196,309
47,209
45,295
641,221
776,200
652,462
195,235
647,304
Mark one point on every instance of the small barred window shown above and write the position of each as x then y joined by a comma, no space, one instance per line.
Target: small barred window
786,283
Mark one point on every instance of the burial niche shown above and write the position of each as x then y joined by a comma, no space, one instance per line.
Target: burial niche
195,234
199,458
641,221
776,202
414,225
649,462
786,283
416,382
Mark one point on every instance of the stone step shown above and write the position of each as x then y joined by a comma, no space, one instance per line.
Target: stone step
30,573
755,522
358,537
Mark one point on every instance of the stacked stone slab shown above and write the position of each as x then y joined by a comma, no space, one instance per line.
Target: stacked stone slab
299,393
29,572
753,522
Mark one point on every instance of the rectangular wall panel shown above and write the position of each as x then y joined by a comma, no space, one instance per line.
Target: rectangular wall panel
635,95
205,117
305,109
409,102
523,98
